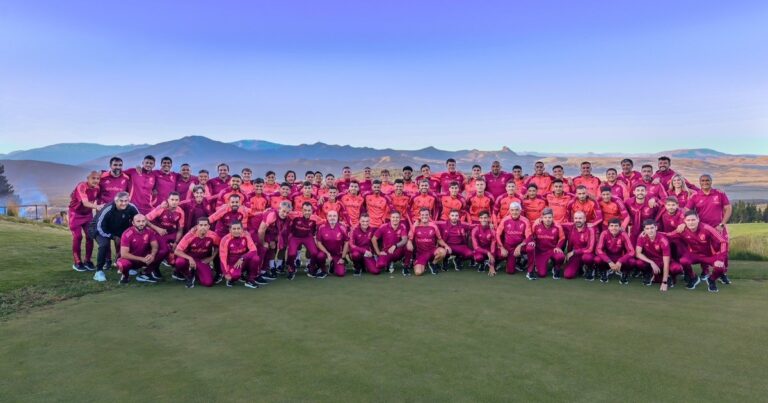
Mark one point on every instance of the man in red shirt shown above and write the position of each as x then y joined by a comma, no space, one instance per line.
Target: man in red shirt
477,172
665,174
426,244
533,204
653,190
195,208
581,245
588,206
225,215
497,180
654,257
195,254
706,247
83,201
511,235
220,182
628,175
586,179
113,181
426,174
479,201
143,184
273,236
238,254
425,199
346,178
165,180
306,196
185,181
247,186
138,248
455,234
611,207
517,175
202,180
331,203
501,204
619,189
235,181
451,175
640,208
270,183
353,203
332,240
167,220
360,248
714,209
377,205
410,186
389,243
258,201
545,244
559,173
483,240
366,184
451,201
540,178
615,253
558,200
387,186
301,232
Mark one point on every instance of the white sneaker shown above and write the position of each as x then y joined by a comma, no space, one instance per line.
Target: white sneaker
132,272
100,276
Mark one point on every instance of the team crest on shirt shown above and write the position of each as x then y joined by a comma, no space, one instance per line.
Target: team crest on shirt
702,237
145,237
338,236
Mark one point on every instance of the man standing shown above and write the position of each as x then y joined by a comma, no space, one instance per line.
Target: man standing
113,181
540,178
589,181
143,184
273,236
108,226
628,175
353,203
497,180
377,205
185,181
585,204
84,200
451,175
165,180
714,209
220,182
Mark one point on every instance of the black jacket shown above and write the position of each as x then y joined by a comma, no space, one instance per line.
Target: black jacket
111,222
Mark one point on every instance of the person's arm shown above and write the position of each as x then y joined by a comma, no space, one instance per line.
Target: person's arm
101,221
629,250
224,254
375,244
220,212
154,247
322,247
599,251
183,244
598,215
727,211
440,237
344,252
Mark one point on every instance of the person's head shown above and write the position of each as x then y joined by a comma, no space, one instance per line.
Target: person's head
664,163
606,194
627,165
691,220
558,187
484,218
332,217
198,192
116,165
649,227
384,175
258,186
579,219
306,189
306,209
270,177
671,204
236,229
203,176
394,218
547,216
425,170
453,189
354,187
376,186
399,185
309,176
166,163
611,175
246,174
480,186
450,165
640,192
365,221
424,186
538,168
531,191
122,200
586,168
511,187
235,181
517,171
285,189
148,163
203,225
330,180
234,201
318,178
705,182
454,216
223,170
173,199
290,176
333,192
477,170
346,173
93,179
515,209
424,215
367,173
284,208
496,167
139,221
647,171
558,171
407,172
581,193
614,226
185,170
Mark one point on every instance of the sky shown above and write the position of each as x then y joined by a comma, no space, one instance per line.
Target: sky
548,76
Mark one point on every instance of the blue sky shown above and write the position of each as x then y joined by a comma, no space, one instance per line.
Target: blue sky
554,76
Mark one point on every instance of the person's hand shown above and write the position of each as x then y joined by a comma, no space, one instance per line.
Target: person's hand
518,250
192,264
656,181
652,203
569,255
680,228
448,250
409,246
391,249
558,251
663,287
532,244
503,252
720,227
341,261
228,277
238,264
148,259
382,253
719,264
328,260
162,232
265,245
164,204
655,268
272,245
99,207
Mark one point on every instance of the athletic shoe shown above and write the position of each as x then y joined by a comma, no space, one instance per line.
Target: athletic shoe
230,283
624,279
433,268
291,275
454,262
79,267
177,277
260,281
322,274
108,264
298,262
519,268
481,268
693,282
358,272
268,276
603,276
724,279
712,285
273,272
143,278
556,274
124,279
589,275
190,283
132,272
391,268
671,282
100,276
157,275
635,273
686,279
89,266
164,263
531,276
218,279
406,271
251,284
704,277
312,274
647,279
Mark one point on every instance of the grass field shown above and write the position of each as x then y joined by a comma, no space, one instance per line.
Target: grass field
749,241
454,337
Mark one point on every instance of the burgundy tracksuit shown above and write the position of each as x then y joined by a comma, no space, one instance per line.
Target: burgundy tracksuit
510,234
705,246
301,232
277,232
198,248
332,239
615,249
638,213
79,219
424,239
231,249
582,242
656,250
359,243
546,239
170,221
455,235
388,237
484,242
139,244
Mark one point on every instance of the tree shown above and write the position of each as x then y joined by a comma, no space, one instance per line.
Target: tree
6,189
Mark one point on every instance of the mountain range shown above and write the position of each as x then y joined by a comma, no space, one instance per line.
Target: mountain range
48,174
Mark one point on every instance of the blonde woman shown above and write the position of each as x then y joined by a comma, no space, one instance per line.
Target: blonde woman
679,189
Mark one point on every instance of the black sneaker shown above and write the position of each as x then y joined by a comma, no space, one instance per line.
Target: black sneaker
647,279
686,278
635,273
268,276
321,274
531,276
693,282
712,285
481,268
556,274
260,281
603,276
624,279
433,268
125,279
251,284
79,267
190,282
704,277
724,279
230,283
218,279
143,278
273,272
312,274
589,275
107,264
291,274
178,277
455,263
157,276
358,272
671,282
281,269
406,271
89,266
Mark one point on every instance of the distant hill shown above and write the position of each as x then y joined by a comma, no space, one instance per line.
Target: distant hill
256,145
69,153
43,182
694,153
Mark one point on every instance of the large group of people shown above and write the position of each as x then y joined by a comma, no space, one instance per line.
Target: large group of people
652,225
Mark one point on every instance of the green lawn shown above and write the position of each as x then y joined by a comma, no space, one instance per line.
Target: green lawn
749,241
454,337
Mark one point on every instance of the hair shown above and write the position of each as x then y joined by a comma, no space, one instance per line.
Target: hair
115,159
614,221
236,222
605,189
306,183
223,164
557,167
453,183
290,171
285,184
450,160
120,195
399,181
384,171
236,176
203,171
423,209
547,211
629,161
691,213
246,169
671,199
364,215
309,173
476,166
585,163
330,176
483,213
639,186
203,218
424,166
407,168
270,173
581,187
258,181
665,158
186,164
305,204
517,167
649,221
376,182
557,181
611,169
166,159
198,187
286,204
346,167
532,185
174,194
149,157
646,166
